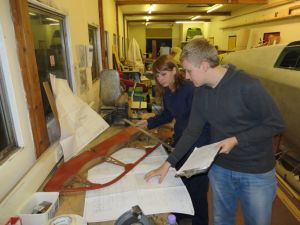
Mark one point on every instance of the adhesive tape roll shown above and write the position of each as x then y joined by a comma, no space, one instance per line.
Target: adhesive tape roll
70,219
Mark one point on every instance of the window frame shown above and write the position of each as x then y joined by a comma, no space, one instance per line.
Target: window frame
7,119
63,23
96,49
294,46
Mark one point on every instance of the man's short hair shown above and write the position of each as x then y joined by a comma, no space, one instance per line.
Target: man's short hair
199,50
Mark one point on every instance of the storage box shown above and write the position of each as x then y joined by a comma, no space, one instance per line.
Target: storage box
39,219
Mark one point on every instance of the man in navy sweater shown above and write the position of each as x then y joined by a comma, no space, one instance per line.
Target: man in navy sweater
244,118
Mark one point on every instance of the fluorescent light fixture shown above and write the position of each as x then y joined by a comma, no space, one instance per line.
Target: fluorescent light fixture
214,7
54,24
51,19
195,17
150,9
147,18
32,14
188,21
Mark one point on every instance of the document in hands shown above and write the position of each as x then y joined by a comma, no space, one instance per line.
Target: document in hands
199,161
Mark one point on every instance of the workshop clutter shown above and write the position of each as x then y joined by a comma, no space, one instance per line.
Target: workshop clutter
39,208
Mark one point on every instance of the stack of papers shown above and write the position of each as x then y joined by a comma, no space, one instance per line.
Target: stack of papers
200,160
109,203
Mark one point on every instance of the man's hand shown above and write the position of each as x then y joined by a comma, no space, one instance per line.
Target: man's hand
160,171
227,145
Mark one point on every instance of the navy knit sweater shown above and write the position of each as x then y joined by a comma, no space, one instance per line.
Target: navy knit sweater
238,106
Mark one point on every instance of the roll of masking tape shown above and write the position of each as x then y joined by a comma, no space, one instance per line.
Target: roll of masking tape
70,219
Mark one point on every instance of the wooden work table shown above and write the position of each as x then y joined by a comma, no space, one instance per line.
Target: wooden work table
73,203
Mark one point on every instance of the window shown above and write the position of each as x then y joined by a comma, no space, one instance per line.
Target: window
50,41
48,30
93,41
289,57
7,141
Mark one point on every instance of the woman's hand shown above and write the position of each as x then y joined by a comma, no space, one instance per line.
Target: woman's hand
160,171
142,123
227,145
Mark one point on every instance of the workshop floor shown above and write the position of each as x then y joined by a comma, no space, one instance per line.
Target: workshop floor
74,203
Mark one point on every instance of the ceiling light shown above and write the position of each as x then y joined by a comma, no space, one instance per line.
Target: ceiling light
51,19
147,18
54,24
188,21
150,9
195,17
32,14
214,7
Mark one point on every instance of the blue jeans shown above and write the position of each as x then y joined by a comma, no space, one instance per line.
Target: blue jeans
255,192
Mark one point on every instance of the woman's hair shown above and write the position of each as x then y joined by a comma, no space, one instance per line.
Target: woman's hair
199,50
166,63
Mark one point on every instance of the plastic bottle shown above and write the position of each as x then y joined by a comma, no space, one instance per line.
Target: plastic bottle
171,220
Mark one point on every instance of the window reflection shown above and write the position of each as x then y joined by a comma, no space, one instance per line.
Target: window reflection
48,33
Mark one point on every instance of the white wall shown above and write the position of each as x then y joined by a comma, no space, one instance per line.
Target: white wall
20,162
246,18
109,13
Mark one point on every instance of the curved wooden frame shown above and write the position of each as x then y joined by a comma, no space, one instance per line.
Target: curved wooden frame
69,177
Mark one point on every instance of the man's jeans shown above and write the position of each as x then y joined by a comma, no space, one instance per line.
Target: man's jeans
256,193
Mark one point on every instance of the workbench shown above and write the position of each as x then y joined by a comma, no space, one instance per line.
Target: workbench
73,203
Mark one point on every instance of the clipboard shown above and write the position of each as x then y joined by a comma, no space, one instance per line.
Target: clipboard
199,161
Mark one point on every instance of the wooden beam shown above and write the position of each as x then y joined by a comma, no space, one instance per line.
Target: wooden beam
226,13
131,2
102,37
51,100
118,32
167,20
27,60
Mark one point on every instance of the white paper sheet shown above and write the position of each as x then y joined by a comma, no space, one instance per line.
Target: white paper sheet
78,122
200,160
111,202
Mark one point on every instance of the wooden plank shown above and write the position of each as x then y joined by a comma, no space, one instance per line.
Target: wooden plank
166,20
101,30
226,13
130,2
51,100
27,60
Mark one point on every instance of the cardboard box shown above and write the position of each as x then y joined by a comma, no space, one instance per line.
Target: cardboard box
26,212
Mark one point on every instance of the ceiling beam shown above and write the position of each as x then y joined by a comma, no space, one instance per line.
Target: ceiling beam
168,20
179,13
131,2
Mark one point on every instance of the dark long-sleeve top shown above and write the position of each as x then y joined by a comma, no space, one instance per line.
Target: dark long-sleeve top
238,106
177,106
